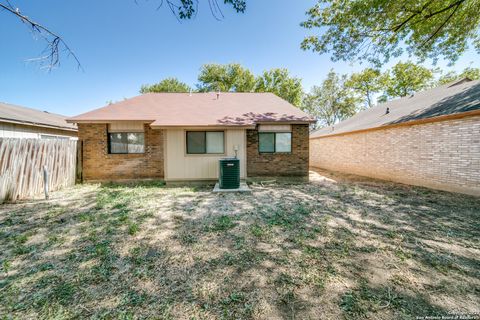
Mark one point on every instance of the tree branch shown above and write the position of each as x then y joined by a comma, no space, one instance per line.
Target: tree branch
455,4
415,13
181,9
442,25
54,41
187,9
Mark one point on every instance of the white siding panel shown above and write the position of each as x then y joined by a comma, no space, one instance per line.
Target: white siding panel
275,127
126,126
10,130
181,166
13,130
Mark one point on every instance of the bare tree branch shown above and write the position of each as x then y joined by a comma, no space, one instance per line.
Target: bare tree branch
55,43
50,58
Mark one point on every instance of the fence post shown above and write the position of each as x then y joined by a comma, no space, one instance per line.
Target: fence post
79,167
45,181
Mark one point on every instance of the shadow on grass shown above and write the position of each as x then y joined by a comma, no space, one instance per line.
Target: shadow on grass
353,249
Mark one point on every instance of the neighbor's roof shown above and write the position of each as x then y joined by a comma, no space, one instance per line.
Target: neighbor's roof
199,109
450,99
28,116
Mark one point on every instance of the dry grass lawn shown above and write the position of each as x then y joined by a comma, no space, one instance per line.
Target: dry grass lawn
338,247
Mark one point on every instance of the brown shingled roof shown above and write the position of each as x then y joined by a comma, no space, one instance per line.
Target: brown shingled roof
199,109
450,99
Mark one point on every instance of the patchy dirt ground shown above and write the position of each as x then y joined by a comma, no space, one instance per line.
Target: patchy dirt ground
338,247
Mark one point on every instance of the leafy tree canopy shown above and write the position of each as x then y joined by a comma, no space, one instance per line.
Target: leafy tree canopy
280,82
233,77
332,101
405,78
376,30
366,84
471,73
225,78
166,85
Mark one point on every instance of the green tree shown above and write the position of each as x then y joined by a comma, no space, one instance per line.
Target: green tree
377,30
235,78
166,85
281,83
332,101
471,73
405,78
366,83
225,78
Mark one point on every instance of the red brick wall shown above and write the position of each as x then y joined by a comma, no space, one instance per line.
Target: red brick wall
99,165
294,164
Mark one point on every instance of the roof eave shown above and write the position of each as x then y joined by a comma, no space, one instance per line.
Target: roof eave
216,126
404,124
73,120
36,124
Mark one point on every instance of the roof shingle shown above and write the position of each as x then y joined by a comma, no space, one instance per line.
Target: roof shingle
29,116
453,98
199,109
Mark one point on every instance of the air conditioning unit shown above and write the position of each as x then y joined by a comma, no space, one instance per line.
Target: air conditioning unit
229,173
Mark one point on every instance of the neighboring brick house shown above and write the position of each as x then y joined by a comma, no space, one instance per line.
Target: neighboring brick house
430,139
181,137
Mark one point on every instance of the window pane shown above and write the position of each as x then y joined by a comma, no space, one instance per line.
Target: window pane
283,142
136,142
215,142
118,143
196,142
266,142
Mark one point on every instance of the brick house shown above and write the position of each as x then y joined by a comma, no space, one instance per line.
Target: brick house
429,139
181,137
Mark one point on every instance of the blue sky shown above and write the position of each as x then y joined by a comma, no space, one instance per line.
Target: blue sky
123,45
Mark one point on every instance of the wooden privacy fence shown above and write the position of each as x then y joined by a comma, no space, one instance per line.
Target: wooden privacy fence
22,162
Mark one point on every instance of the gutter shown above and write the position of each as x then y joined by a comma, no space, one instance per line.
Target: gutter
216,125
73,120
37,124
203,126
